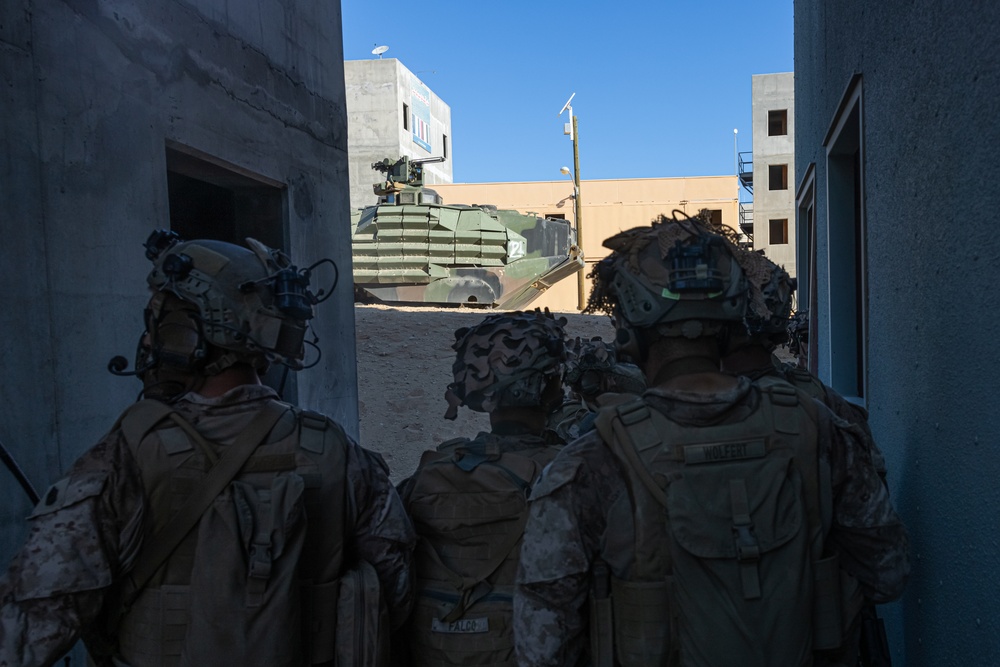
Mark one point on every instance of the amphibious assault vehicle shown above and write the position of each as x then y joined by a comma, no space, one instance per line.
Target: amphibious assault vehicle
413,248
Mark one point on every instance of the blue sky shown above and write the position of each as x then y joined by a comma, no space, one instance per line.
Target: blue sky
659,85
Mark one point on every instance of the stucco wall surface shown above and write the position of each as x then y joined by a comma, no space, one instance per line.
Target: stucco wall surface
92,94
930,85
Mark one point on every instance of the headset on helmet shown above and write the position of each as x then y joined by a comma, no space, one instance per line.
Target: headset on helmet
676,277
508,360
216,304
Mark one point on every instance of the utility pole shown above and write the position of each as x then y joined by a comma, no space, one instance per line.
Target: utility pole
581,277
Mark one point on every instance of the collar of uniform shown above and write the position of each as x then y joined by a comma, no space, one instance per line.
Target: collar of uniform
741,389
242,394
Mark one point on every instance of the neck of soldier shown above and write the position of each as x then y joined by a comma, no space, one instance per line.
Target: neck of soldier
746,359
529,419
686,364
230,378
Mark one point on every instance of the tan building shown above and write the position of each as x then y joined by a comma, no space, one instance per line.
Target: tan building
609,206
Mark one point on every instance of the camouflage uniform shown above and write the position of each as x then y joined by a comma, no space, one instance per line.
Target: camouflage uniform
580,511
58,585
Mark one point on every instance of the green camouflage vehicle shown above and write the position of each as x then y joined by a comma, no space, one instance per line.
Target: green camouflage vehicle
412,248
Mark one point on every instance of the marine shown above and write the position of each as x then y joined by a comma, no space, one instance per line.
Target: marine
214,523
633,555
468,498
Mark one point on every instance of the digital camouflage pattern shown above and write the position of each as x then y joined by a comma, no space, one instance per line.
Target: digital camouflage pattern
86,534
580,511
412,248
508,360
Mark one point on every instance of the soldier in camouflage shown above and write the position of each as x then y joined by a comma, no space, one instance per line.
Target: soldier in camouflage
592,368
219,314
610,531
468,499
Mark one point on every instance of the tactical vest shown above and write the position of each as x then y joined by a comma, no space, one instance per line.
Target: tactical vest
257,580
729,524
468,502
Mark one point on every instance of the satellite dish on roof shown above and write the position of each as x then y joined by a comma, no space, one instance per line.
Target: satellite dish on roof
379,50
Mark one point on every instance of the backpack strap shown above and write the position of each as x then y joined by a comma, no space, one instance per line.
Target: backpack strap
163,543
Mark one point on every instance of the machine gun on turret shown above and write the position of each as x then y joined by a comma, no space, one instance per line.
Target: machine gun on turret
401,173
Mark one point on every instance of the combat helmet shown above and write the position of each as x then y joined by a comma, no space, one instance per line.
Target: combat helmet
508,360
798,333
675,278
769,305
593,367
216,304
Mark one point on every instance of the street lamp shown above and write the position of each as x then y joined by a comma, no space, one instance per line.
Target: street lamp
571,128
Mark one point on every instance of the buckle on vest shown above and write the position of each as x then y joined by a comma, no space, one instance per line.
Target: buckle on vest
747,546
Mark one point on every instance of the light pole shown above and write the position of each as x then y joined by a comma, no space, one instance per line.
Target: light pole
571,128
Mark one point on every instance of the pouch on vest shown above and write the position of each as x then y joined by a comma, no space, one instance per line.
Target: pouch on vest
468,502
362,620
246,596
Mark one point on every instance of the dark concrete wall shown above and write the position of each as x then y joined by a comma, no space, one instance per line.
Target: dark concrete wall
930,91
93,91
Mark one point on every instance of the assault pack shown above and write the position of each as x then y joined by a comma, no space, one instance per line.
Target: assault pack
469,504
730,522
231,569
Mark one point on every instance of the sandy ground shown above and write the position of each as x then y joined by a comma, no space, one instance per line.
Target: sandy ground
404,366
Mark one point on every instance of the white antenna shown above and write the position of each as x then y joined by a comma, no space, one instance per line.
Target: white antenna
379,50
568,127
567,106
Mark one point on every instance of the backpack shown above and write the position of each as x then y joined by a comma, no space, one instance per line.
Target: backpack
259,578
468,502
730,522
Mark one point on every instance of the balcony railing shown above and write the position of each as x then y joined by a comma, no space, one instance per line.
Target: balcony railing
746,170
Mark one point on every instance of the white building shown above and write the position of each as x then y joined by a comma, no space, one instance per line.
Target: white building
392,113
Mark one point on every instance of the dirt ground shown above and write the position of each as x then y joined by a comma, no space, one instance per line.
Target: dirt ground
404,366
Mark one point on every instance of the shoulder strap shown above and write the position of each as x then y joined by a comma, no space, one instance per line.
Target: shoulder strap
628,428
165,541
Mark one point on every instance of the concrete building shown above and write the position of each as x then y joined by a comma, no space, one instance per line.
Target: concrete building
119,118
773,118
608,206
896,135
392,113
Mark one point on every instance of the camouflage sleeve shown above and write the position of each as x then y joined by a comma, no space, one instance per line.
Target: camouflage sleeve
383,533
84,533
562,536
855,414
866,532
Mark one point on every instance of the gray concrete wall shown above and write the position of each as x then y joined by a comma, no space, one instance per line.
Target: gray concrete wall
773,92
92,94
376,91
930,86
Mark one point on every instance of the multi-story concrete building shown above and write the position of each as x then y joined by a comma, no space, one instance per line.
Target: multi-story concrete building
392,113
773,118
119,118
899,255
607,207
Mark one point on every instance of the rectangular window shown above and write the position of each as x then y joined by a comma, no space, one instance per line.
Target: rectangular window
556,216
846,234
444,145
406,116
777,123
805,203
777,177
777,232
714,215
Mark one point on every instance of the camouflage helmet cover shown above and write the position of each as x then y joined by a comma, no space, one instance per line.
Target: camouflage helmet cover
798,333
250,301
676,276
507,360
593,368
771,292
